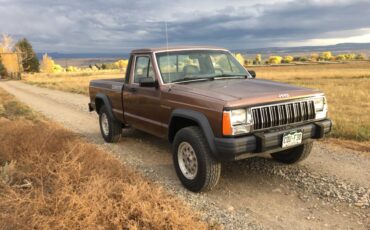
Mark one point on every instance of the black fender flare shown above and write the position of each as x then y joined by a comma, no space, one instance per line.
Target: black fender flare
106,102
200,119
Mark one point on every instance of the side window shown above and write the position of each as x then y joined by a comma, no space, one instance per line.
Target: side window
167,64
143,68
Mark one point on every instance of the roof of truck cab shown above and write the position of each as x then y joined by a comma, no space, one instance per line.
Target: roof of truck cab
176,48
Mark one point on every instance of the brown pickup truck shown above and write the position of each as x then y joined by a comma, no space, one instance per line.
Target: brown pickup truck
211,109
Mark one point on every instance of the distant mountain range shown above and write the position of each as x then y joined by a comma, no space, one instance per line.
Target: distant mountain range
338,48
56,55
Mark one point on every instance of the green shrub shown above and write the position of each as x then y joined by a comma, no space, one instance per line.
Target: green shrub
360,57
30,62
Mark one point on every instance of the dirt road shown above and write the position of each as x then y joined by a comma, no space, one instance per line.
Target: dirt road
331,189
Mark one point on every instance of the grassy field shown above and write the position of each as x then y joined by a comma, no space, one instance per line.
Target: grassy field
70,82
52,179
346,85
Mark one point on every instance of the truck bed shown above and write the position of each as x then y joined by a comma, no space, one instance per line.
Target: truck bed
111,88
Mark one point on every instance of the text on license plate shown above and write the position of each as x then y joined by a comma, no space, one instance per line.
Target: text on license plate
292,138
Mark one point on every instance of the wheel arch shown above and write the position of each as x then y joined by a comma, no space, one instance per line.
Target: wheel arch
102,99
181,118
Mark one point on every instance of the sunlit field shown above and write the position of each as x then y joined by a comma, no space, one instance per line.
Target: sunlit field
313,71
69,82
346,85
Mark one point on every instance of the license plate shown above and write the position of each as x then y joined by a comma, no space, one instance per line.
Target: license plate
292,138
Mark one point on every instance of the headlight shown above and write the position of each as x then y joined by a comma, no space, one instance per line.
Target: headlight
238,116
321,107
236,122
319,103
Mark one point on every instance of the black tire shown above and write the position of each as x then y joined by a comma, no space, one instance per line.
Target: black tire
114,130
208,169
293,155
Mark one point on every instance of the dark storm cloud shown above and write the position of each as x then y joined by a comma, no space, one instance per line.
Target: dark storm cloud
286,22
116,25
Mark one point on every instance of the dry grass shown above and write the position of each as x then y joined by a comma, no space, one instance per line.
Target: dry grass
347,87
69,82
12,109
313,71
51,179
363,147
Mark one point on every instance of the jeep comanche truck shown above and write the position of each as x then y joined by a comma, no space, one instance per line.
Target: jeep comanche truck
211,109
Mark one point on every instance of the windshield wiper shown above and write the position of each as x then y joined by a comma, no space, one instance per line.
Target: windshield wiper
210,78
190,79
225,75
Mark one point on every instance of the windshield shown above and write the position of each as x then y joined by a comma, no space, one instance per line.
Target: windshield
179,66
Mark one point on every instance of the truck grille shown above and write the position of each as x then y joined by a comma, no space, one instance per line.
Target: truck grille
282,114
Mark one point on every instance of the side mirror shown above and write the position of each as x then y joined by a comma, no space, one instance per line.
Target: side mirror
252,73
148,82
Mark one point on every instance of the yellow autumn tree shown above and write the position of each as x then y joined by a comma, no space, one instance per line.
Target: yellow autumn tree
326,56
350,56
47,64
340,57
6,44
57,68
288,59
258,59
10,59
122,64
240,58
275,59
72,69
314,57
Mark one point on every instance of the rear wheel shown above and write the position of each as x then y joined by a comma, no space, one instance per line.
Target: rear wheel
110,129
194,165
293,155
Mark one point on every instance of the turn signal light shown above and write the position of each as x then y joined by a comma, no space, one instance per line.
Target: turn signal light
226,124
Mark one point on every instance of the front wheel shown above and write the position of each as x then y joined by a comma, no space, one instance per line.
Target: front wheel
194,165
110,129
293,155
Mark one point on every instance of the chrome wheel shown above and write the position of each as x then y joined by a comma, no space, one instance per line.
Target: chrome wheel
105,124
187,160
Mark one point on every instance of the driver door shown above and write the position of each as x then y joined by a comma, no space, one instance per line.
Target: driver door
142,104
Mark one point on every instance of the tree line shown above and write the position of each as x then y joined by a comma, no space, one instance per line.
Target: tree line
49,66
314,57
31,64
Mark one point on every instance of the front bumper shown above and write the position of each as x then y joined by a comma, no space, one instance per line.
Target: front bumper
228,149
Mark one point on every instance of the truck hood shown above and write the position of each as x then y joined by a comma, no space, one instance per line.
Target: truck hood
237,92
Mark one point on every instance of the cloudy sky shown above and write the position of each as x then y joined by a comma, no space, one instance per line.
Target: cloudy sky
92,26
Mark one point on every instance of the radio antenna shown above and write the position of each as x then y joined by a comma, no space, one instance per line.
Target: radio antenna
168,57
